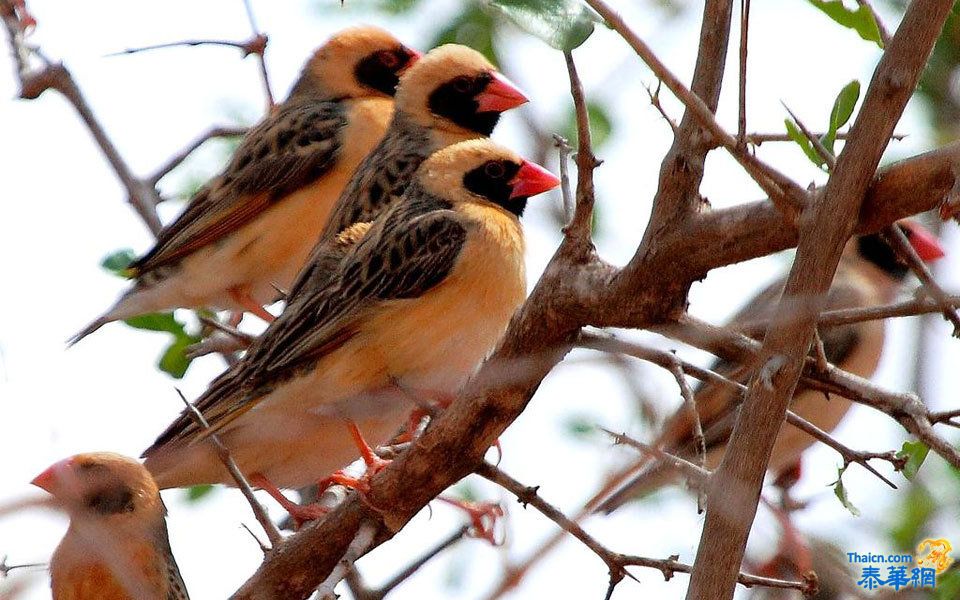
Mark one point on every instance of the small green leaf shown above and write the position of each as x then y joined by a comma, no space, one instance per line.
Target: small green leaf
913,515
842,111
805,144
174,359
580,426
860,19
601,125
117,262
157,322
915,453
473,28
466,491
197,492
564,24
841,492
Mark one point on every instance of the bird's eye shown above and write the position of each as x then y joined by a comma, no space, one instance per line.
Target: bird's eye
462,84
494,170
388,59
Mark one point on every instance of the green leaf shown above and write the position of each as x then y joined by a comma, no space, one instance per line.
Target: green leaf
580,426
841,492
157,322
197,492
564,24
842,111
805,144
174,359
118,262
915,453
474,28
860,19
913,513
601,125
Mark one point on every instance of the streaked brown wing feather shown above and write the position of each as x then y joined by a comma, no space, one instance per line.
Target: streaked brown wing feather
289,150
411,249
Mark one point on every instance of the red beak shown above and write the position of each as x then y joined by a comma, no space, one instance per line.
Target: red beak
532,179
500,95
51,476
923,241
413,56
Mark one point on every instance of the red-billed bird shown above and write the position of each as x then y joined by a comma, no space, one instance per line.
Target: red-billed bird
869,274
249,231
416,301
116,547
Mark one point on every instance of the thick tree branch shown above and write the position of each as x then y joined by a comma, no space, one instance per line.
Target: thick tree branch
823,234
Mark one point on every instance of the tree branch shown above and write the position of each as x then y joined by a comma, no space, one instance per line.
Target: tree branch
823,234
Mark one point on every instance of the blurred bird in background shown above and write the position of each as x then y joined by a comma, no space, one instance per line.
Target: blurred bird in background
249,231
869,274
418,300
116,547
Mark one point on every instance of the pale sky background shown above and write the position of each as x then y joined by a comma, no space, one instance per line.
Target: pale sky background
62,210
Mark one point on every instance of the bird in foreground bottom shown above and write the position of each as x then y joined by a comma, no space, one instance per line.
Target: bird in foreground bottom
116,547
249,230
420,297
869,274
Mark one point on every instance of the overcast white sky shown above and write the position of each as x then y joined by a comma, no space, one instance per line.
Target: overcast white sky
62,210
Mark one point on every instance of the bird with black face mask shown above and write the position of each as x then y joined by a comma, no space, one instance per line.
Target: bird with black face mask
116,547
451,95
419,298
869,274
249,231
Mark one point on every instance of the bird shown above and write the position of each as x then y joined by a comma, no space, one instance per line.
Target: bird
116,547
249,230
450,95
869,274
419,298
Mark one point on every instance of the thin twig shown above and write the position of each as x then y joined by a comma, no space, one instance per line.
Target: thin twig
5,567
259,49
178,158
848,454
822,151
695,473
357,548
901,244
615,561
690,405
528,495
563,150
760,138
245,46
788,196
381,592
655,101
908,308
581,225
224,454
744,30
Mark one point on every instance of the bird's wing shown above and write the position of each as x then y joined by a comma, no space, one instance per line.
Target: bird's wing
408,252
290,149
380,179
718,405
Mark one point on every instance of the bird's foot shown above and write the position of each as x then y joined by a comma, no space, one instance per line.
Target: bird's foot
374,463
300,513
484,517
244,299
